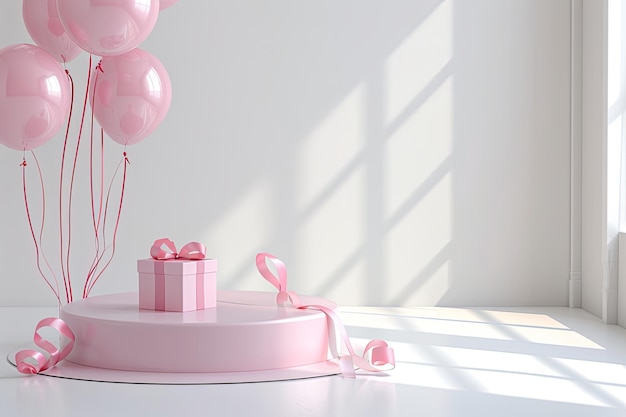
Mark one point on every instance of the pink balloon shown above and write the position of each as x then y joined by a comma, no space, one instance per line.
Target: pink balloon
164,4
35,96
130,96
43,25
108,27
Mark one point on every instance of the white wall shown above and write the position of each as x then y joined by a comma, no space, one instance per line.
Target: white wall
406,152
593,122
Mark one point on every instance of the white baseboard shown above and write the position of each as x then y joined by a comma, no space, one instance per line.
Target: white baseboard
575,290
609,306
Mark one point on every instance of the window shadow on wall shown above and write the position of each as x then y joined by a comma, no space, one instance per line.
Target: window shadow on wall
391,153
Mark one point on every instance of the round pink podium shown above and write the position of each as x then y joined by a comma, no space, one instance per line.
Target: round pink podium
246,332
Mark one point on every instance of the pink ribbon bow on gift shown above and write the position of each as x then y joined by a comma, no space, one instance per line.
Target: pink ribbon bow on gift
163,249
377,356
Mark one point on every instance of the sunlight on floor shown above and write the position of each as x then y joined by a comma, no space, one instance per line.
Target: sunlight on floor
480,324
506,353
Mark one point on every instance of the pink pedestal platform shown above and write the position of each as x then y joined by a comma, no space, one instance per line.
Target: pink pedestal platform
246,333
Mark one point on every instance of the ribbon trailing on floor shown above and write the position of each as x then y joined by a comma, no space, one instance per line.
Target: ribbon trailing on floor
377,356
30,361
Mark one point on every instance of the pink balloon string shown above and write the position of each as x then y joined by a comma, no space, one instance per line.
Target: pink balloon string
96,219
24,358
377,356
95,275
72,181
100,260
62,169
39,255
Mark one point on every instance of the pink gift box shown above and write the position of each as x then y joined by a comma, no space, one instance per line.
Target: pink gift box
177,284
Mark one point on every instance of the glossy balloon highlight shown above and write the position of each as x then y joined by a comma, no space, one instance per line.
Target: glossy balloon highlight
35,96
44,26
108,27
131,95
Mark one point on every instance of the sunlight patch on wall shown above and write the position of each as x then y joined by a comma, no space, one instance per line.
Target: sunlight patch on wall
332,237
418,59
419,197
417,152
252,212
434,285
331,202
323,154
418,249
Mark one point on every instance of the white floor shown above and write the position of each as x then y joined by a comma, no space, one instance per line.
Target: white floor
450,362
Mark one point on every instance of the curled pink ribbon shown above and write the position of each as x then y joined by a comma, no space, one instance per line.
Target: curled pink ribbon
55,355
377,356
163,249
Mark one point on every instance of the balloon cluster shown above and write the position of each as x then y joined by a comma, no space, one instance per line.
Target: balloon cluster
131,93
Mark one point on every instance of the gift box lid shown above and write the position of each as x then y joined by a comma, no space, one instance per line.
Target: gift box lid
176,266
